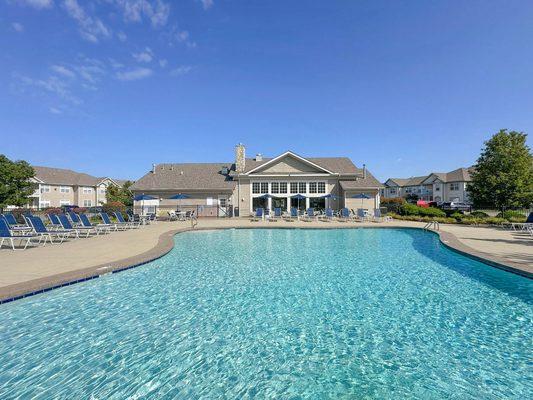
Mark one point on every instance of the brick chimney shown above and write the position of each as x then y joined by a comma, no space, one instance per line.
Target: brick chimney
240,158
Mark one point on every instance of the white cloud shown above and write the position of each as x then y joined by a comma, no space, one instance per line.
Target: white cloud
181,70
91,28
207,4
134,74
17,27
51,84
63,71
184,37
145,56
122,36
55,110
163,63
157,11
39,4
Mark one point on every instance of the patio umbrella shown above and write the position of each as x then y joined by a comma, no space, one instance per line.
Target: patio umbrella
142,198
361,196
299,197
179,196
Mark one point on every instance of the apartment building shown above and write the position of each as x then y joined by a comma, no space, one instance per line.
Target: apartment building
56,187
437,186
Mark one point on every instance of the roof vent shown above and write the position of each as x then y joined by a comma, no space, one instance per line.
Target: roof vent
171,167
153,168
181,172
258,157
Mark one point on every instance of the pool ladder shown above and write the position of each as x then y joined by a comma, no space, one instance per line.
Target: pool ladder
194,222
432,225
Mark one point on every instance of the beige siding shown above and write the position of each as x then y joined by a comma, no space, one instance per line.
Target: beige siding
289,165
369,204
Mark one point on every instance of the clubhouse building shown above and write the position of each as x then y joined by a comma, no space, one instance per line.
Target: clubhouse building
245,184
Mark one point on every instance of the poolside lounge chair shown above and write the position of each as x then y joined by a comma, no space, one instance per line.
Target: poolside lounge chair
54,222
309,215
345,215
98,228
13,225
67,226
523,226
258,215
120,219
40,228
361,214
5,235
293,216
277,215
328,215
115,226
74,218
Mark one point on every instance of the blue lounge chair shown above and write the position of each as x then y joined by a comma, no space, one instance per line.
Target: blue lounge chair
5,235
13,225
74,218
328,215
120,219
67,226
54,222
98,228
361,214
293,214
277,214
258,214
345,215
310,215
523,226
40,228
113,225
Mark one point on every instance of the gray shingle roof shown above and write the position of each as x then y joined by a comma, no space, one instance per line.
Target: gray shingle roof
369,182
458,175
59,176
340,165
183,177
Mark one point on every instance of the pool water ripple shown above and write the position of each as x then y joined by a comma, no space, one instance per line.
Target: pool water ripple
364,313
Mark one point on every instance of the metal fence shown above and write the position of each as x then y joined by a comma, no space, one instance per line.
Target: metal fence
200,211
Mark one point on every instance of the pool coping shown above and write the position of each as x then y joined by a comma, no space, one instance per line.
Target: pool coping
166,243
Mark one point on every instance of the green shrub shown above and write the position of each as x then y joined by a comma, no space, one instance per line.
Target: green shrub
411,209
494,220
512,216
457,215
479,214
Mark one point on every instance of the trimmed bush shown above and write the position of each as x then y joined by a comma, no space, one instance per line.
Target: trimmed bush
411,209
479,214
513,216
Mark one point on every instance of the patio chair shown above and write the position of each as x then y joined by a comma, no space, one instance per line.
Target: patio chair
522,226
327,216
114,225
344,215
40,228
74,218
13,225
54,222
309,215
67,226
172,215
120,219
293,215
361,214
98,228
277,215
258,214
6,236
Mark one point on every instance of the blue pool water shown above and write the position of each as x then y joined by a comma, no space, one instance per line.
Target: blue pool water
365,313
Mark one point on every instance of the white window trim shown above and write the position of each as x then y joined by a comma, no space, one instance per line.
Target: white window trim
64,189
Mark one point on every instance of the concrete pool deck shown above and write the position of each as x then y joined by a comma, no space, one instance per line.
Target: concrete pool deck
38,269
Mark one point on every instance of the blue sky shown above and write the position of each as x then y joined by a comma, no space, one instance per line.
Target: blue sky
108,87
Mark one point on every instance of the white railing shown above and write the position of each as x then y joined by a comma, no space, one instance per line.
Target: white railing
432,225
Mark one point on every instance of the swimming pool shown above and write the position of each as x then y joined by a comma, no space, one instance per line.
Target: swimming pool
275,313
